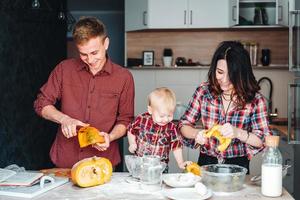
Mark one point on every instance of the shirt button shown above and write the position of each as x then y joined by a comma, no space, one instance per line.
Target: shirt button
81,150
89,106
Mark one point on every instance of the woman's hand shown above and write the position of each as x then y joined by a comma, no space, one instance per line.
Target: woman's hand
229,131
184,164
200,138
68,126
103,146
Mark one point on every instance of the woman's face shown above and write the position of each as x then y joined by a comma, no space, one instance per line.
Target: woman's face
223,77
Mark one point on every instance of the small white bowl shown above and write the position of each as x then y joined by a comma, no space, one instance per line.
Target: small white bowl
181,179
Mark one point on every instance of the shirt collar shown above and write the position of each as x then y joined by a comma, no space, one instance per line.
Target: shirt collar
106,68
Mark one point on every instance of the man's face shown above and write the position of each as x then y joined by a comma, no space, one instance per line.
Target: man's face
93,53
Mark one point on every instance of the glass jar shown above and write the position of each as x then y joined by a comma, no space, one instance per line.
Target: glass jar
271,169
253,53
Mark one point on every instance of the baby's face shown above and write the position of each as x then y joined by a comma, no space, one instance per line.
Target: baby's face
161,116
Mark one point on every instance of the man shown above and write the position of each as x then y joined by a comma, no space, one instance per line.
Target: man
92,91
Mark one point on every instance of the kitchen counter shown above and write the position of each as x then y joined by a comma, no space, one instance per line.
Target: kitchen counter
119,188
281,128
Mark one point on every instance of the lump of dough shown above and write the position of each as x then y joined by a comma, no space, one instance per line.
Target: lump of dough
201,188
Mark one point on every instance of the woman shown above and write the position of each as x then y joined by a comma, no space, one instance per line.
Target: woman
229,98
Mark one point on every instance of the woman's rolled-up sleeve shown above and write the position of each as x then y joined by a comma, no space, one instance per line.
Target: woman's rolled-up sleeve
259,125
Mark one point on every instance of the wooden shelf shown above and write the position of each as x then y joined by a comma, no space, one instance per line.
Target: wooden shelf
258,67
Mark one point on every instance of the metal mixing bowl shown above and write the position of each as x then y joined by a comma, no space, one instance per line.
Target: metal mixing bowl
223,177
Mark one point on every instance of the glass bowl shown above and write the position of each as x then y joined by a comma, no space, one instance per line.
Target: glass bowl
133,164
223,177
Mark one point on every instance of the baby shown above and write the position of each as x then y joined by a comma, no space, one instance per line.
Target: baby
153,132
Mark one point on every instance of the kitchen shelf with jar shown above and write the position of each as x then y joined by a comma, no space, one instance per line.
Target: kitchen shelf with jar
257,67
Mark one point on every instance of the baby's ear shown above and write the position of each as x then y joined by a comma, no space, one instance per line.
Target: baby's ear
149,110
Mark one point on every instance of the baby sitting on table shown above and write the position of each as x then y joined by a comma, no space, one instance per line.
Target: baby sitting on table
153,132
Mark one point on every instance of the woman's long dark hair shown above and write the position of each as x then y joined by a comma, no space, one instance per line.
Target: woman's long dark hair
239,71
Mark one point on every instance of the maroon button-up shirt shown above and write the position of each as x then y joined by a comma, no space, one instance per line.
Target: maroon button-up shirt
102,100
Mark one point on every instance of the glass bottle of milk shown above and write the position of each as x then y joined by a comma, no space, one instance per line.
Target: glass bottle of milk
271,169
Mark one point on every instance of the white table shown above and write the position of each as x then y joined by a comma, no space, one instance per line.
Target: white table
119,188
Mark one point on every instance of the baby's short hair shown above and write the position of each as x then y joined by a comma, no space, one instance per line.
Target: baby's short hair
162,97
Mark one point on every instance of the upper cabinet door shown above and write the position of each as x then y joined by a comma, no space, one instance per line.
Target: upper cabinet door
210,13
233,12
136,12
155,14
282,12
167,14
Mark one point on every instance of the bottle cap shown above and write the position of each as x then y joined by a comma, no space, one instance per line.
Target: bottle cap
272,141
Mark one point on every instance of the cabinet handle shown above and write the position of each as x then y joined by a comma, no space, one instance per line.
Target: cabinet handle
280,10
185,17
233,13
288,162
144,18
191,17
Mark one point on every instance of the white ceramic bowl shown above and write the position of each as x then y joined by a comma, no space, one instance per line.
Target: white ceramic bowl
181,179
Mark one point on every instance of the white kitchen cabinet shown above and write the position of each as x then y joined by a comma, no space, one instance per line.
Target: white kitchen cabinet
173,14
211,13
155,14
276,10
182,82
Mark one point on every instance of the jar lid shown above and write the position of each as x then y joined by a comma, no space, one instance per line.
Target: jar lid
272,141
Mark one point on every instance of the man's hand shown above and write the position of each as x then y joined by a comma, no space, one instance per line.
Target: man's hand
103,146
68,126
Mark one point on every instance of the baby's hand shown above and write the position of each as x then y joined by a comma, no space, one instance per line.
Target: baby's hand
132,148
184,164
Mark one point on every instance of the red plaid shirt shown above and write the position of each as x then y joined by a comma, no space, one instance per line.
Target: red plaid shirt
210,110
153,139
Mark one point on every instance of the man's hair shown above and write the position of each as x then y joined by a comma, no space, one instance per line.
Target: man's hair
239,71
164,96
87,28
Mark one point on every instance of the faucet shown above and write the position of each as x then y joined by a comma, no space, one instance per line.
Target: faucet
270,114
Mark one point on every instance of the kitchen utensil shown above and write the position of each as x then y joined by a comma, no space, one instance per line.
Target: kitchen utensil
151,172
223,177
133,164
181,179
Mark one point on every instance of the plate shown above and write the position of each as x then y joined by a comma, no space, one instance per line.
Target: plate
186,194
181,179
